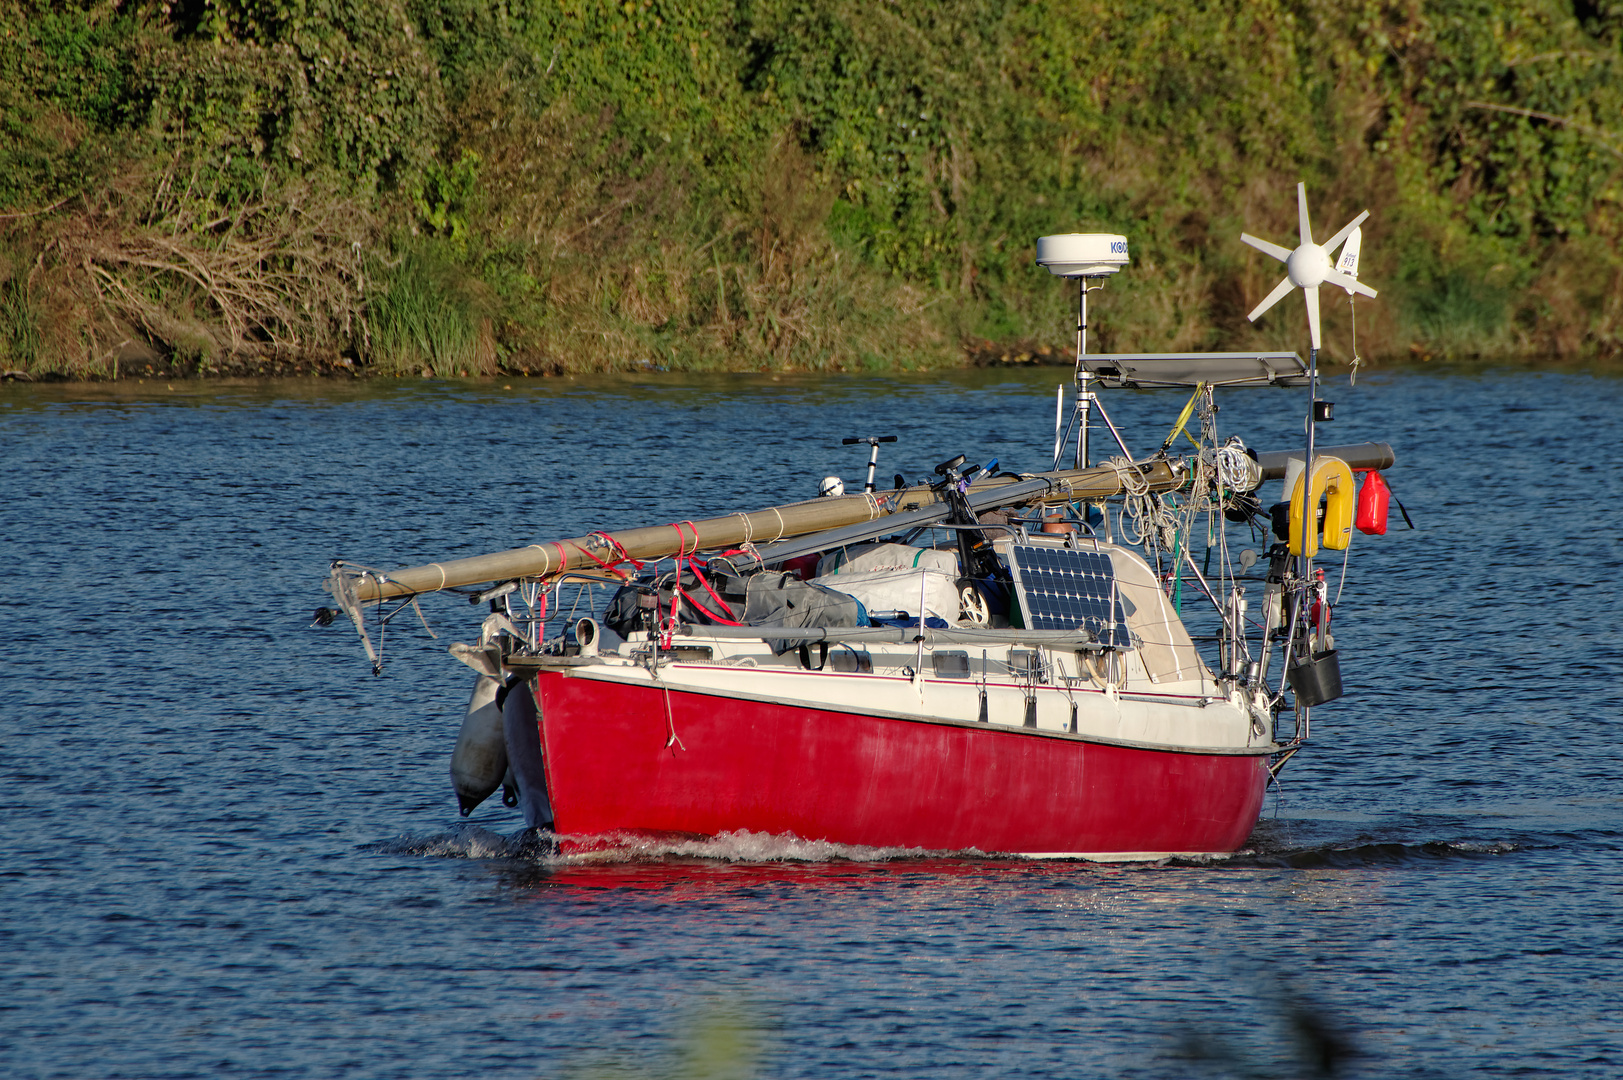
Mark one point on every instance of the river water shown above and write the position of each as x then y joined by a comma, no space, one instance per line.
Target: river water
226,849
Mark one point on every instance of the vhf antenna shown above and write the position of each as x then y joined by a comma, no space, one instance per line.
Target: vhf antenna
873,442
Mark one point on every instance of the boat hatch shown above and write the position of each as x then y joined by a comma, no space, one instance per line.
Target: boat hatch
845,658
689,654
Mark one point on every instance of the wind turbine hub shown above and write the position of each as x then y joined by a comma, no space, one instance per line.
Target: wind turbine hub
1308,266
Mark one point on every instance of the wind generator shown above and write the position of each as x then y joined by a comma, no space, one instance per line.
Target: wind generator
1307,267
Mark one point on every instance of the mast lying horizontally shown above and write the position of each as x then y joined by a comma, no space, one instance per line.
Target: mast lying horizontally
595,551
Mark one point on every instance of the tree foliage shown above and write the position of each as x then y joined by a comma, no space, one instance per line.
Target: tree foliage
790,183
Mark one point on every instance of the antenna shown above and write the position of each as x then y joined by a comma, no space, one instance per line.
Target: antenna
1081,255
1308,266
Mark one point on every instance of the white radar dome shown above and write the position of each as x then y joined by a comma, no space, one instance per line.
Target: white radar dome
1082,254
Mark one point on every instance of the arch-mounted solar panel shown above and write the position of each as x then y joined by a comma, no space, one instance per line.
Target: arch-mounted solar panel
1065,589
1144,371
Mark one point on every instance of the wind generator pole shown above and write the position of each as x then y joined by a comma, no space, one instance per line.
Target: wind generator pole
1310,513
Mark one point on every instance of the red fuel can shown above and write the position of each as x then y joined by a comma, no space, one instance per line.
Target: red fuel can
1373,498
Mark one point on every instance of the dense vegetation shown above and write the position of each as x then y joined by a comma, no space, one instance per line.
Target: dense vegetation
560,185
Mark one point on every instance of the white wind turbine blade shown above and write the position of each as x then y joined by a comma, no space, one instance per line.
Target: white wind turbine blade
1273,298
1312,298
1265,247
1350,283
1301,214
1346,231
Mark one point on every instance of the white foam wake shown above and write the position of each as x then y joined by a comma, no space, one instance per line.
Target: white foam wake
741,846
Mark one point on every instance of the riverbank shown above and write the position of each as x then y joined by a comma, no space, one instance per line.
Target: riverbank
758,185
317,371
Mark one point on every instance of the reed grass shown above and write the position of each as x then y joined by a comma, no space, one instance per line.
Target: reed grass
429,317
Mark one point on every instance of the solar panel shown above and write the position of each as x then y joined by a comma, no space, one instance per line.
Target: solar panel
1064,589
1192,369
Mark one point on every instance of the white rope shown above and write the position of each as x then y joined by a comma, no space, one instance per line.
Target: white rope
670,721
548,567
1235,467
1346,551
1352,309
423,619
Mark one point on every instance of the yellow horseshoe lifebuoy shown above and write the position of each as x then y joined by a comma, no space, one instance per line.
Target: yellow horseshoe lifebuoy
1332,479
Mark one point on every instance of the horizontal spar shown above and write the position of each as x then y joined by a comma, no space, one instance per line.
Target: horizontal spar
599,550
1358,456
861,516
906,635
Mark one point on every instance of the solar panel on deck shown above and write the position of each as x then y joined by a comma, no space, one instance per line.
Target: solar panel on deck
1064,589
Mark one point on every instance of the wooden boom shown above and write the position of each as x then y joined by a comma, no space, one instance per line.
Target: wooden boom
596,551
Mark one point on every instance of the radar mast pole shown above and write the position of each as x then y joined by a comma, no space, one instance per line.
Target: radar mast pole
1084,393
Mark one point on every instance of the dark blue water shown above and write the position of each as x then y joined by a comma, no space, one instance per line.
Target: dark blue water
227,850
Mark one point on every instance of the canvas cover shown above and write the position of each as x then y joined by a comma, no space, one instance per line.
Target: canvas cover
863,558
785,600
898,590
694,604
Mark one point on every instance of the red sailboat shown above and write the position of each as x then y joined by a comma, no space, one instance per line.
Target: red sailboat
986,662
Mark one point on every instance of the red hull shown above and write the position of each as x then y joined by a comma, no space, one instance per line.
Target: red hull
874,781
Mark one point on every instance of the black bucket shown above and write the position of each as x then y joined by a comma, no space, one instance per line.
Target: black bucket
1317,680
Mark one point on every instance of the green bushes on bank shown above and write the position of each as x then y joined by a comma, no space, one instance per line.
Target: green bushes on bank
531,186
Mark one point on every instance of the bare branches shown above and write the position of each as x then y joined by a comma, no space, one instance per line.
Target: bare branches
277,271
1605,138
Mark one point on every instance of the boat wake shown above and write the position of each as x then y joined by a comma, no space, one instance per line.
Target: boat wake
1269,848
742,846
1349,856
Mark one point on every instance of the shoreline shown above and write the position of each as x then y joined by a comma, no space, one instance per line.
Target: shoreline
1013,359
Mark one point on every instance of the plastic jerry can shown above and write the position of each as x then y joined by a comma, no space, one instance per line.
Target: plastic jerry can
1373,498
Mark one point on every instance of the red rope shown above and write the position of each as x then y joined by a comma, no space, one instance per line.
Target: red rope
610,567
684,555
625,556
724,605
